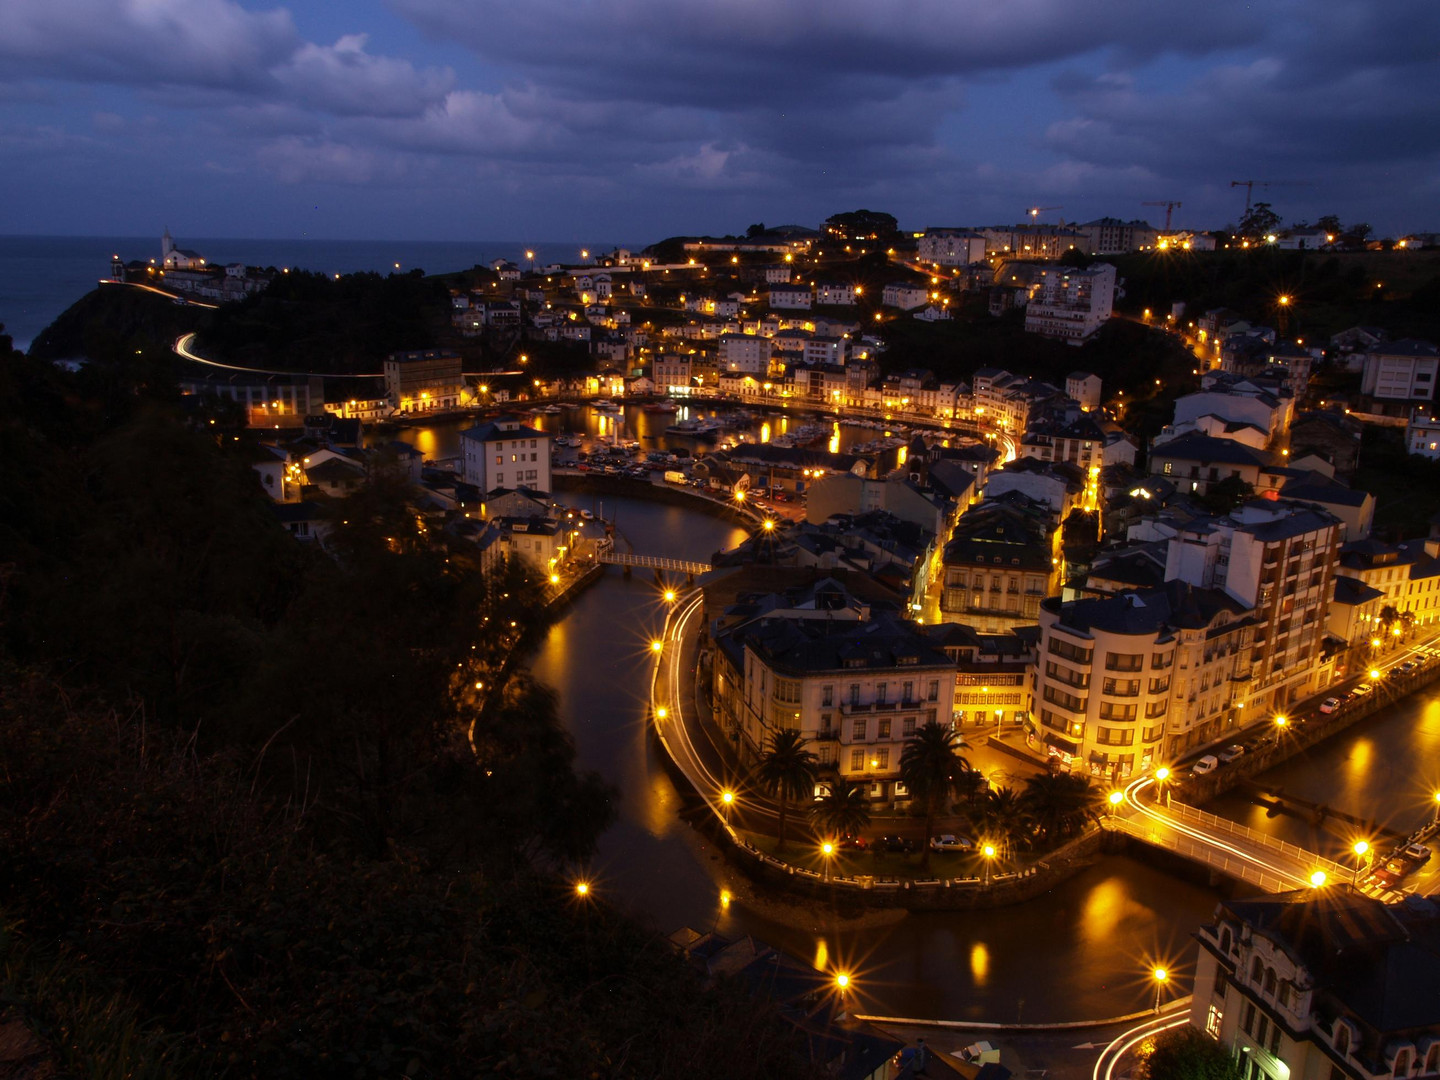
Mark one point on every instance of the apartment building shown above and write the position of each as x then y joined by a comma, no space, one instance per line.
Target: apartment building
745,354
1277,559
1124,683
1070,305
1000,562
1322,984
950,247
424,381
854,685
1401,371
505,453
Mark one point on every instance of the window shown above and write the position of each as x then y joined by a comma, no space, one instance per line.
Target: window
1122,687
1249,1022
1213,1020
932,692
882,690
827,696
499,459
1124,661
854,693
907,693
1062,648
1110,711
1156,709
880,759
1402,1063
1275,1039
1262,1030
1270,982
1257,970
857,760
1069,676
1160,686
857,731
1222,979
1057,696
884,729
907,726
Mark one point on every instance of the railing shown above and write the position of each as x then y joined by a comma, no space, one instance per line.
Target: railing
1202,852
1301,855
653,562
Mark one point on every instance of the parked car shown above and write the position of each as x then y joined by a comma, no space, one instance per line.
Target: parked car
951,842
1417,853
1205,765
896,844
1329,705
1407,667
1231,752
1363,689
852,843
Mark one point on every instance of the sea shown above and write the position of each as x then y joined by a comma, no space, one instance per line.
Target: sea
41,276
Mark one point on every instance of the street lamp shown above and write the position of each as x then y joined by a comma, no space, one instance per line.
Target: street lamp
669,596
1437,808
661,712
827,849
1162,774
1361,849
1318,878
656,645
582,889
727,799
1115,799
1161,977
989,852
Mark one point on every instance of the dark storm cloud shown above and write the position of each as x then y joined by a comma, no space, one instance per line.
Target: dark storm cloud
946,110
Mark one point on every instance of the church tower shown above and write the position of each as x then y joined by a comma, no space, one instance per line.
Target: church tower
167,247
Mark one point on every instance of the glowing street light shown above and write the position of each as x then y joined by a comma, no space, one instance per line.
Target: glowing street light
582,889
1162,796
1318,878
669,596
988,851
656,645
1161,977
769,525
827,849
1115,799
842,982
661,712
1361,848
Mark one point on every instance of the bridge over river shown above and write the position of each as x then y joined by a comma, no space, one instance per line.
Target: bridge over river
1231,849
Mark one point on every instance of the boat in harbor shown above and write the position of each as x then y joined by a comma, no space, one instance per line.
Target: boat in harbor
666,406
695,428
550,410
608,406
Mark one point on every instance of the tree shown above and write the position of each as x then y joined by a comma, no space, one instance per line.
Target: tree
1061,804
758,229
1356,235
1004,818
844,811
786,771
1186,1053
1224,495
1259,222
929,765
1331,224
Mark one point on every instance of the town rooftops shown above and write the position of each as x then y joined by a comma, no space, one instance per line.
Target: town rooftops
1380,961
1207,449
502,427
1175,605
803,646
1404,347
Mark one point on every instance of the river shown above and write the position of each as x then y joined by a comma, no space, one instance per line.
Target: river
1082,950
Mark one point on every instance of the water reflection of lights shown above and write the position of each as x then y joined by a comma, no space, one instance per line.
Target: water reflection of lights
1360,754
835,438
765,432
1104,909
822,955
979,963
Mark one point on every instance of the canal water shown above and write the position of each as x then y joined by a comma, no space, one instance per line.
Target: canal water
1081,950
440,439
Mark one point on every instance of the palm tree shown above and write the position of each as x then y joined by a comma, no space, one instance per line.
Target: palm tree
1061,804
1003,816
843,812
929,765
786,771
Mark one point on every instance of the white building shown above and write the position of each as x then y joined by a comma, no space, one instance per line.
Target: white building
1422,434
1071,305
506,454
835,293
1401,370
905,295
951,247
743,353
791,297
1084,389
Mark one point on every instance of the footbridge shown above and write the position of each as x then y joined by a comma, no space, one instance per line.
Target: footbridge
608,555
1231,849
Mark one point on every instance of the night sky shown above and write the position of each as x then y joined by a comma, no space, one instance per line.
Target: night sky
536,120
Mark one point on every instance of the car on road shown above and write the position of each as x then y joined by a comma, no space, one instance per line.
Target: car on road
896,844
1206,764
1330,704
1407,667
951,842
1417,853
852,843
1231,752
1363,689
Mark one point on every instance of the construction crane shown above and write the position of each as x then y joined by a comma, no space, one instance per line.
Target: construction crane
1251,185
1036,211
1169,205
